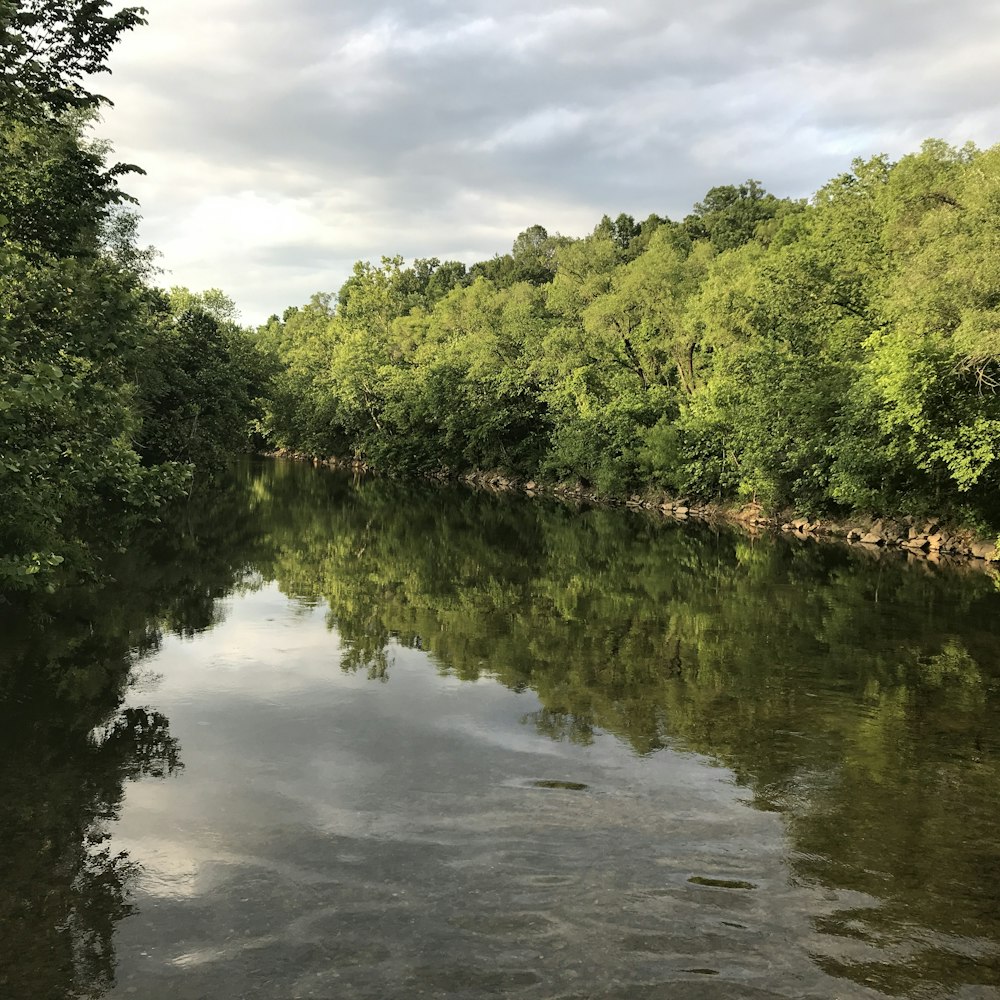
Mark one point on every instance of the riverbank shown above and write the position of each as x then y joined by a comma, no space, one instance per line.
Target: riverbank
929,540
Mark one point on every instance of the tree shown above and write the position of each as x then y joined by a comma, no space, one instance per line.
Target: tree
49,48
533,255
72,319
57,195
934,366
301,412
200,383
213,302
730,215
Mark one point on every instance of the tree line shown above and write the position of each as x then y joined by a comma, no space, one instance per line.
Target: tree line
111,390
836,354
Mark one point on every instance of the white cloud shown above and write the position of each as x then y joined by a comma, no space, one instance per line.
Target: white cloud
282,146
544,127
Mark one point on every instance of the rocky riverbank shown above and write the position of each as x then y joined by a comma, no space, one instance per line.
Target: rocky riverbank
931,540
922,539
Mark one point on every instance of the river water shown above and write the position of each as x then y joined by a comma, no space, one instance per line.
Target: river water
312,737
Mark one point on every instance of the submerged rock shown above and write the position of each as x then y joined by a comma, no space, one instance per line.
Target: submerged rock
569,786
721,883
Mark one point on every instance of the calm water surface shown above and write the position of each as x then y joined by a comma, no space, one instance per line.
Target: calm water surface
320,738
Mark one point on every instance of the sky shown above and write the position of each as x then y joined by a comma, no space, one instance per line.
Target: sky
283,142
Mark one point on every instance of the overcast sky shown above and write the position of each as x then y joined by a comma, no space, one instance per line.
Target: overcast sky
285,141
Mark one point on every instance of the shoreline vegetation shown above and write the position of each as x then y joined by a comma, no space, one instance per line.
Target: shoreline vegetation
921,539
828,366
838,357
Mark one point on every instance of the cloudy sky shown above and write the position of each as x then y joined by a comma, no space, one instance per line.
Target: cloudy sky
285,141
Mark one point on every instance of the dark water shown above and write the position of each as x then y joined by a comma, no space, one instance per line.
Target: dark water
326,739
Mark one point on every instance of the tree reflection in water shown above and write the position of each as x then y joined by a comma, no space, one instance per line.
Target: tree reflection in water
67,752
857,696
68,746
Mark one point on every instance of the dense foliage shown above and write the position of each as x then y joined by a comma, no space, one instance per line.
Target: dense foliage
109,391
844,690
839,354
857,698
836,355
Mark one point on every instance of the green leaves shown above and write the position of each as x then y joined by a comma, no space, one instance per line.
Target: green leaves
50,47
198,381
841,354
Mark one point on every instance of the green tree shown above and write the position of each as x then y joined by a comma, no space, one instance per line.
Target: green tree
213,302
74,316
731,215
200,383
49,50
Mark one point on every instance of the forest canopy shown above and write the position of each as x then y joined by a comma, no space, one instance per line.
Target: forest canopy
835,354
829,355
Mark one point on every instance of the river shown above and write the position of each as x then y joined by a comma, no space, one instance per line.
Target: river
313,736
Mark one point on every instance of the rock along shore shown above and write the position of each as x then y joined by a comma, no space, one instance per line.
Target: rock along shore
922,539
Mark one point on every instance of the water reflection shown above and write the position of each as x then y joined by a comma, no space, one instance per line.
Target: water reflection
858,697
67,749
68,743
856,701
